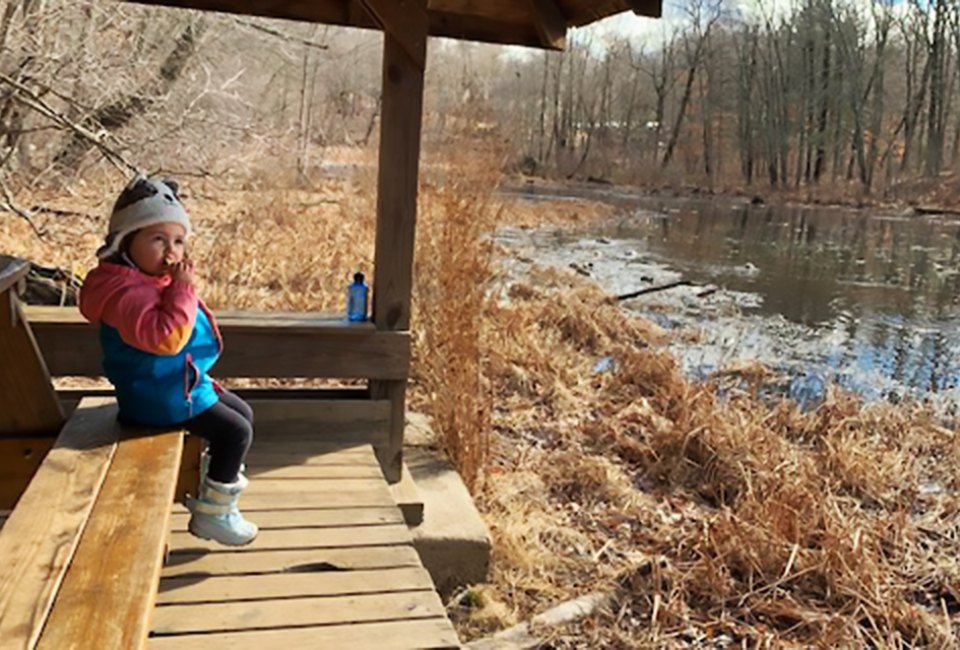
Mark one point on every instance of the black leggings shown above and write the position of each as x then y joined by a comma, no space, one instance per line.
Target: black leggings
228,427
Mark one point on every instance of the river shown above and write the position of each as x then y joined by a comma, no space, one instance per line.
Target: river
867,299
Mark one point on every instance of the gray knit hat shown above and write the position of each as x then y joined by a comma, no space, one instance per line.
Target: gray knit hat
143,202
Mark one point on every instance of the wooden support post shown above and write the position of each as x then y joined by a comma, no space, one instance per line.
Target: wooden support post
28,403
404,59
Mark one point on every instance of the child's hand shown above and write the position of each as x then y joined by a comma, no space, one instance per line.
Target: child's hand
182,272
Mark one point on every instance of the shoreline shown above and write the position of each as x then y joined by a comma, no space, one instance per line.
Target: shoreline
520,185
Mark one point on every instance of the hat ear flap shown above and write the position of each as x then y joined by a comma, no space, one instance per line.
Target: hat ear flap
173,185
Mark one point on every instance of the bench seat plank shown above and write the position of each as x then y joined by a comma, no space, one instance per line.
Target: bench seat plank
108,595
40,536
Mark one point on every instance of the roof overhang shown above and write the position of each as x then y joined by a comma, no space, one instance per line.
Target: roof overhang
534,23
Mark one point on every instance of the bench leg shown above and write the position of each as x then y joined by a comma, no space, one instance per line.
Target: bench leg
166,548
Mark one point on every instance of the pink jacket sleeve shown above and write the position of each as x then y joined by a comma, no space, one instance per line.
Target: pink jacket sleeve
158,323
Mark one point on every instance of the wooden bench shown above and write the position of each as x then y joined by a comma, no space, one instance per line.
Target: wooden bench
83,548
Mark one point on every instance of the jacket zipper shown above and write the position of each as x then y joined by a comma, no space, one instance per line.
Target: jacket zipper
213,326
188,388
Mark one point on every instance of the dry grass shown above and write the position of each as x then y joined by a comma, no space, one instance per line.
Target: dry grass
714,521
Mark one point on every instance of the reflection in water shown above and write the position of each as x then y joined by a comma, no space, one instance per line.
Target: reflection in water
813,263
867,300
877,294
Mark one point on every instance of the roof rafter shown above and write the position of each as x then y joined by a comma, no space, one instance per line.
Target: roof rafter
651,8
550,22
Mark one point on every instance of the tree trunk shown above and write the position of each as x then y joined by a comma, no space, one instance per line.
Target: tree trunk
935,113
678,122
823,117
119,113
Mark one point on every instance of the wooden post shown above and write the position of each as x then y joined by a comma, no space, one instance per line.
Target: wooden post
28,402
405,27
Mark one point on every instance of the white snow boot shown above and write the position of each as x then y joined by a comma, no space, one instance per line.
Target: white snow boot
214,515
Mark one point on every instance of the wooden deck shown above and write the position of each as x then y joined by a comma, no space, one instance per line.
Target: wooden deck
333,566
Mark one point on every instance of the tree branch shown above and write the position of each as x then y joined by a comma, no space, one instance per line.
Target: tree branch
11,206
286,37
33,101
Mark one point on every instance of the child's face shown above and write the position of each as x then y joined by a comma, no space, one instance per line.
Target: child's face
156,248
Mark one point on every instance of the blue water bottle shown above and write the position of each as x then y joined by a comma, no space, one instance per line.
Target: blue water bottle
357,299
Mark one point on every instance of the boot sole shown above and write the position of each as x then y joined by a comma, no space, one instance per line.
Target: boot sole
211,538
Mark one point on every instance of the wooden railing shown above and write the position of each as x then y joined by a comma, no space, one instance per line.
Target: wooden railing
280,345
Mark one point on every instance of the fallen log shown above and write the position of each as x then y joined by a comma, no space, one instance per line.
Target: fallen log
662,287
936,209
522,637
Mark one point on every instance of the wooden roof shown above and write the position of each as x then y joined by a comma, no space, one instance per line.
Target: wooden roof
537,23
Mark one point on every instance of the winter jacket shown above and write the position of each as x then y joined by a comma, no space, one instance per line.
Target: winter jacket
159,342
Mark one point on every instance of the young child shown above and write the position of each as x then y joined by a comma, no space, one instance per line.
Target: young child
159,342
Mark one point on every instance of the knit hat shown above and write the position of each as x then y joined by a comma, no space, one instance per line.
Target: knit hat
143,202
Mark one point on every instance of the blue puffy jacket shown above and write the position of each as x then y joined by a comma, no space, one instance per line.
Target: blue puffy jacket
159,343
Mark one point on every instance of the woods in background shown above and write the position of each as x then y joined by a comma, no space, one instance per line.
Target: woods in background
806,94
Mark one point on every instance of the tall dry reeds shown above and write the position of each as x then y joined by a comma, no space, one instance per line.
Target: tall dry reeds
452,283
714,518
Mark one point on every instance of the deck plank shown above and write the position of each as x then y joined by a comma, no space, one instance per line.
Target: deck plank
306,538
333,565
332,583
293,612
276,453
426,634
315,472
300,485
203,562
324,518
251,502
20,459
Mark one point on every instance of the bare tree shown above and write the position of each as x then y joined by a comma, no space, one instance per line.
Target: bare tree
702,19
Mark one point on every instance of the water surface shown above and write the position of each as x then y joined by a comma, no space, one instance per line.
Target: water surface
865,298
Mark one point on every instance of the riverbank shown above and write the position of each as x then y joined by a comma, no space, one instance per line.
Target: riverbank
711,521
866,299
